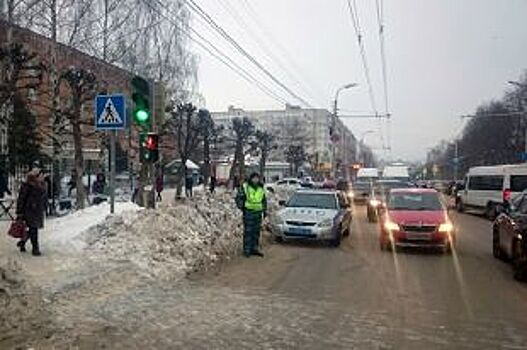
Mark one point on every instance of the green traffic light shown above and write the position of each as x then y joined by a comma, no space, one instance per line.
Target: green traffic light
141,116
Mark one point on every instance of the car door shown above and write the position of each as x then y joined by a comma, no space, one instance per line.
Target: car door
512,222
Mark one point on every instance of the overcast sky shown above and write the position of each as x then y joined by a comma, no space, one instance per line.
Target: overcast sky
444,57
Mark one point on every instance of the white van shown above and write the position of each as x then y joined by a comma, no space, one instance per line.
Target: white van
367,174
487,186
396,172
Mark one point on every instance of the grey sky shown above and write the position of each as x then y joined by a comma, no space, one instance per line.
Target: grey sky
444,58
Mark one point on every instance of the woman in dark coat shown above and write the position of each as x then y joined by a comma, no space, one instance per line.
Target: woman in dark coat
30,208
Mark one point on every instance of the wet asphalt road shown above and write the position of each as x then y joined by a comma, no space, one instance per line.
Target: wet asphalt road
307,296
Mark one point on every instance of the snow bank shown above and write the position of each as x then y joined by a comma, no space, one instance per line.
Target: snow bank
172,240
68,229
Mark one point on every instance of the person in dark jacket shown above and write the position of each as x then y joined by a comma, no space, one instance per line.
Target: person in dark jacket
4,188
159,186
30,208
212,184
251,200
99,189
189,183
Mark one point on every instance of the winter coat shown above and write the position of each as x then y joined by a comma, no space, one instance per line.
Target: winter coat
31,202
159,184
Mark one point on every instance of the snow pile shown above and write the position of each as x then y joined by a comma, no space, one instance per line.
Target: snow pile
22,312
68,229
172,240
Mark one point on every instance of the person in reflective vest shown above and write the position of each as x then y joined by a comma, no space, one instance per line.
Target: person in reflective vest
251,200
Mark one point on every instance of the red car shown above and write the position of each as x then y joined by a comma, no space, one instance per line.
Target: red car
415,217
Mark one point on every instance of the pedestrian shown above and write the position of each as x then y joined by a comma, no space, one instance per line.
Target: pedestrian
30,208
212,184
159,186
99,189
251,200
189,183
72,184
4,188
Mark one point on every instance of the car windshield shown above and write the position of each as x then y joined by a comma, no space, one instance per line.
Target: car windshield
414,201
313,200
362,186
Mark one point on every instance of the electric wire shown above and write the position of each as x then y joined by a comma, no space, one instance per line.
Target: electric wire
194,7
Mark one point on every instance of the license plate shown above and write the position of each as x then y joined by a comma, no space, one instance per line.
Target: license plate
418,236
299,231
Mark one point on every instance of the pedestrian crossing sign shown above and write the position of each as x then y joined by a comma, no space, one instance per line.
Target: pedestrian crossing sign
110,112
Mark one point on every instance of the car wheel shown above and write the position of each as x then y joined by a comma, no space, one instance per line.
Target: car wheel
278,239
496,249
519,262
490,211
460,207
335,242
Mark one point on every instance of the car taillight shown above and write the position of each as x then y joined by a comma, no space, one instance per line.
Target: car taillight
507,195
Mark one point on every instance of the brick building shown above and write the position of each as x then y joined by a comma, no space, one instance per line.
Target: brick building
39,101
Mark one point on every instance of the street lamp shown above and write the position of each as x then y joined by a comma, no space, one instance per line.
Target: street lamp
361,142
334,124
520,100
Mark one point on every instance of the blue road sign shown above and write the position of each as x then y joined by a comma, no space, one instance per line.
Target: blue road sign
110,112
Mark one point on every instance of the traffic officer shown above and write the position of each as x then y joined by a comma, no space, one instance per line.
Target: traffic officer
252,201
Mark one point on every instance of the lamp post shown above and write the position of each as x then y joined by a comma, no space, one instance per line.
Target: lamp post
334,125
521,105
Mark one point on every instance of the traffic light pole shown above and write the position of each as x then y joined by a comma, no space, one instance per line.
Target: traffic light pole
112,170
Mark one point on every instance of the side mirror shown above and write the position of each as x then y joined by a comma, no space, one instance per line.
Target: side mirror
281,203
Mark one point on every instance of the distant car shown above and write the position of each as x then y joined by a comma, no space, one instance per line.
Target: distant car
362,191
329,184
285,184
378,197
313,215
508,235
415,217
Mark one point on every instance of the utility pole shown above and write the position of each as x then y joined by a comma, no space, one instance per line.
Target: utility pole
456,159
334,126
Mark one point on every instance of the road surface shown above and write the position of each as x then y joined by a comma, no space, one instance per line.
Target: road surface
308,296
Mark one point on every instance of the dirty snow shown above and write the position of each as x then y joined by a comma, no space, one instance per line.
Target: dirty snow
67,230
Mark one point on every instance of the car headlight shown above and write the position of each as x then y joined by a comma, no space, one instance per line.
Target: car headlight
391,226
375,203
326,223
447,227
350,194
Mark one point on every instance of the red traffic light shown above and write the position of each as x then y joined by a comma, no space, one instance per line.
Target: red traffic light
151,142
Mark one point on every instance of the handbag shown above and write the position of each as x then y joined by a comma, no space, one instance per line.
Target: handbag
18,229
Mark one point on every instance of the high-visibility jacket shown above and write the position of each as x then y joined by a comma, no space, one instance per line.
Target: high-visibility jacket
254,197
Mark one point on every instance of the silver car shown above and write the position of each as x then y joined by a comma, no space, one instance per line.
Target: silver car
313,215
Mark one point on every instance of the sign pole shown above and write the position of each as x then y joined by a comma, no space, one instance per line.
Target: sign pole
112,171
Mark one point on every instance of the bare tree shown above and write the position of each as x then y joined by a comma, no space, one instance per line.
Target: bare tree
185,127
266,142
82,86
241,132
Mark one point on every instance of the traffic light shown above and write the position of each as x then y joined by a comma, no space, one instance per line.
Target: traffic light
149,147
141,98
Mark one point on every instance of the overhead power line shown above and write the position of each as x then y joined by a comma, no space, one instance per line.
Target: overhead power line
217,53
244,25
356,25
204,15
379,5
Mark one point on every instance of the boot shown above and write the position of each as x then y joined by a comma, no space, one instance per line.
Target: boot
258,253
22,246
36,253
